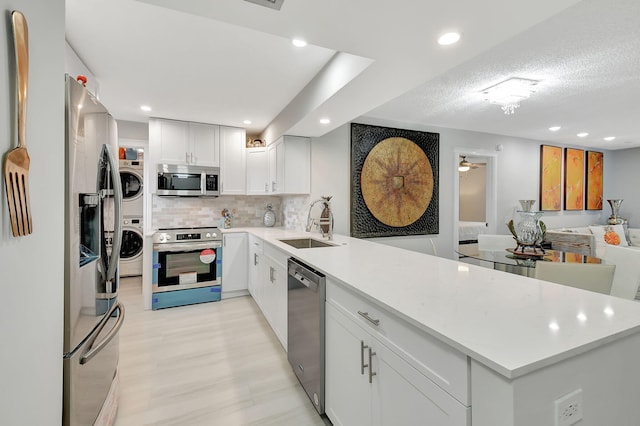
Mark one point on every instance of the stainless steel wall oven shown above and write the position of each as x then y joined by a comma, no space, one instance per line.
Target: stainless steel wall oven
187,266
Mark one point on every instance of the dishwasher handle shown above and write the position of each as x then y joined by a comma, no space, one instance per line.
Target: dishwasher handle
305,281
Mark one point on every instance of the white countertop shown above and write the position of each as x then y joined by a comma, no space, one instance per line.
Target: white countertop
510,323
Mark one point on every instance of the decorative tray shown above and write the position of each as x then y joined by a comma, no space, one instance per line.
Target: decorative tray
528,253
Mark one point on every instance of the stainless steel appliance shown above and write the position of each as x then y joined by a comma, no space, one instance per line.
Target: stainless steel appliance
131,247
131,180
93,230
305,321
187,266
187,181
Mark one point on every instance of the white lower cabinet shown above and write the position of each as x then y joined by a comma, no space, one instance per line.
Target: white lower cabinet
256,266
348,396
368,383
276,292
268,285
234,264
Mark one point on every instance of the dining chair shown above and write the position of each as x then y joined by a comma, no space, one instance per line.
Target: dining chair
495,242
588,276
627,277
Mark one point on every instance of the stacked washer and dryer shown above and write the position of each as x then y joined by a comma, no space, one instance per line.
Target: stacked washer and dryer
131,173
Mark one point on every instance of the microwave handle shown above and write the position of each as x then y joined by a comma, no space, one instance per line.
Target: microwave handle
203,183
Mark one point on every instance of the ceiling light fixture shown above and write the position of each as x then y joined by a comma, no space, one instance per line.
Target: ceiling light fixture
448,38
582,135
609,138
509,93
554,128
145,108
298,42
325,121
247,121
464,165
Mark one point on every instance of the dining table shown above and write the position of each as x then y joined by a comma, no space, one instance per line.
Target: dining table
522,264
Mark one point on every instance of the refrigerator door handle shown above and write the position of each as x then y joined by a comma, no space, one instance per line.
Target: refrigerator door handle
117,227
93,351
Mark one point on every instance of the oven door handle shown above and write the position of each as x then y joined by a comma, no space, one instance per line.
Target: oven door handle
186,246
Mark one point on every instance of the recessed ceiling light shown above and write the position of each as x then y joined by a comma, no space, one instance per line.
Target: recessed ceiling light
247,121
298,42
145,108
582,135
609,138
448,38
325,121
554,128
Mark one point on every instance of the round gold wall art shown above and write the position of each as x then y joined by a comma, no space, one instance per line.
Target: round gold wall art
397,182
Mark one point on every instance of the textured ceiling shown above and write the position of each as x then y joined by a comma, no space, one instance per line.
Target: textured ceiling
587,60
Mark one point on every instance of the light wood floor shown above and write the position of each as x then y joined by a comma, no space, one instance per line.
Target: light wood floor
209,364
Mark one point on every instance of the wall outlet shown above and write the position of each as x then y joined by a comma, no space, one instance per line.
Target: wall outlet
258,213
568,409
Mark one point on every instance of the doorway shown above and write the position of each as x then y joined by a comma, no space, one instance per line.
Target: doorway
475,194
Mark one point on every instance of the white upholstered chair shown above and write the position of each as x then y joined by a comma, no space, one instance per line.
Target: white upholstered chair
627,277
495,242
588,276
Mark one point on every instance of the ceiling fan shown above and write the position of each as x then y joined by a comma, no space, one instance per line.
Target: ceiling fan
465,165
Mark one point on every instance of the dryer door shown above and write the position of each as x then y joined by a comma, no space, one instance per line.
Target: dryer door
131,185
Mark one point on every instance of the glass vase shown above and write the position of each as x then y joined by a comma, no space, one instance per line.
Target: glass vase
528,229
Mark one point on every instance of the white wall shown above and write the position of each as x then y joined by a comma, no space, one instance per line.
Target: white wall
32,267
517,169
133,130
75,67
622,183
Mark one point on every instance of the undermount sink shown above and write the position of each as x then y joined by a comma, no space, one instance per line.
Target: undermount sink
306,243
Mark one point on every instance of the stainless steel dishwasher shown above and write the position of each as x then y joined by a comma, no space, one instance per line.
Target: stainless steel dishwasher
305,321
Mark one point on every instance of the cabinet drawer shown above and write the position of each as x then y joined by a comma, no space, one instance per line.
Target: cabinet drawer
445,366
255,244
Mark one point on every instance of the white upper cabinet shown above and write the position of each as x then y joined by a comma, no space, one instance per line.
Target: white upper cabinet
232,161
182,142
257,171
289,159
204,142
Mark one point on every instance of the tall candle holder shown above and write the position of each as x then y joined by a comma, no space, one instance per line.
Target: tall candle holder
615,219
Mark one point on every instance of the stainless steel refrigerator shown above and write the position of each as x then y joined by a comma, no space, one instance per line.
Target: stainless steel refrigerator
93,234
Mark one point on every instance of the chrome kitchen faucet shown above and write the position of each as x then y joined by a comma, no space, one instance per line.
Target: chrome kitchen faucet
325,221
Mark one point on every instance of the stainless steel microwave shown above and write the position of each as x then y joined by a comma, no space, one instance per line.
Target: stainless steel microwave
176,180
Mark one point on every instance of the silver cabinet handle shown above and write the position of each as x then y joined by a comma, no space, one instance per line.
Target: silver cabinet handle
271,270
273,186
366,316
371,373
266,187
362,364
186,157
255,259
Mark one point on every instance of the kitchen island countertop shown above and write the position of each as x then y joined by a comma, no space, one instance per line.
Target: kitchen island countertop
511,324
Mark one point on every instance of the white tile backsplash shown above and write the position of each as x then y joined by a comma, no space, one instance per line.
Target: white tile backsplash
185,212
295,209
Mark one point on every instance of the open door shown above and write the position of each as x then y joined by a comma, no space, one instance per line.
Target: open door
475,195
